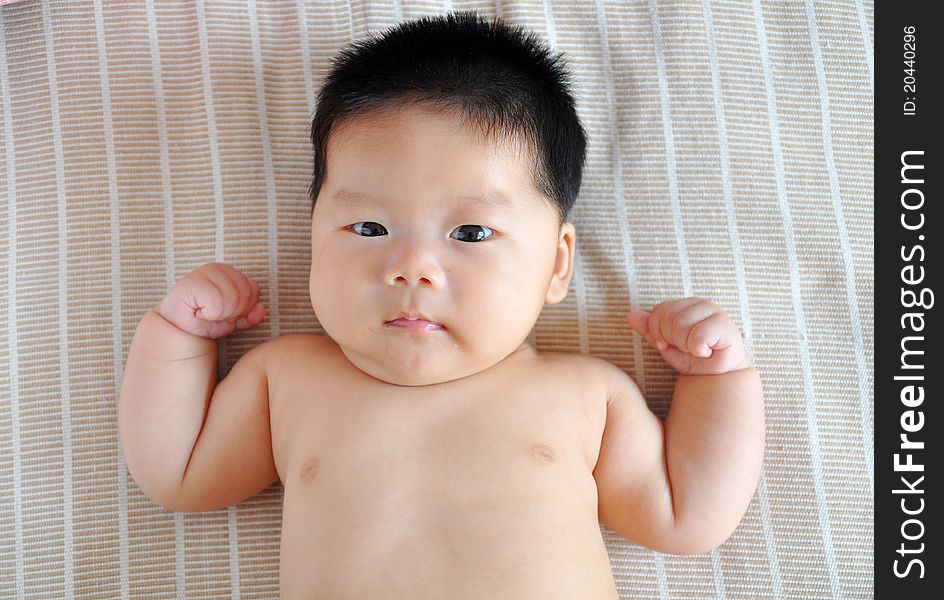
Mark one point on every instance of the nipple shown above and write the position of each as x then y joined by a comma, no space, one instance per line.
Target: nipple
309,470
541,453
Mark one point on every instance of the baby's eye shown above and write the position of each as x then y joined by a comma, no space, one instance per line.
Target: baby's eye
368,229
471,233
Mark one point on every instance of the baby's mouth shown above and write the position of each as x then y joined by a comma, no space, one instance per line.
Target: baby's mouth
415,324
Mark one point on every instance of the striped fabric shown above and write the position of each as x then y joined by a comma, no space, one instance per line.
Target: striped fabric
730,158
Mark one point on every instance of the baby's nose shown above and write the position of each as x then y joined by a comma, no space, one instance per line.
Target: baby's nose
409,280
414,267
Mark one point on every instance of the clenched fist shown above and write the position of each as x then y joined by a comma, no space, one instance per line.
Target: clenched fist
695,336
213,301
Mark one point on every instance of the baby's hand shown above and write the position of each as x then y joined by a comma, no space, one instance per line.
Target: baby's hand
695,336
213,301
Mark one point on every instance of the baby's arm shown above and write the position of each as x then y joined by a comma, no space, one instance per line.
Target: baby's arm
190,443
682,486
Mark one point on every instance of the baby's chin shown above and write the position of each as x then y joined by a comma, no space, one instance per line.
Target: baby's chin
410,379
423,367
396,373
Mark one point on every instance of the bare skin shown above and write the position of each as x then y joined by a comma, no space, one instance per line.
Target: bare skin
481,487
425,449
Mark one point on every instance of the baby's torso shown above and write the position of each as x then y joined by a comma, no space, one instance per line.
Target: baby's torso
480,488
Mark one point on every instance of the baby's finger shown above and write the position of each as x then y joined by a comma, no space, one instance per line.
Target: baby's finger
678,360
677,328
639,321
244,285
654,335
713,333
660,326
229,291
206,299
246,300
252,318
256,292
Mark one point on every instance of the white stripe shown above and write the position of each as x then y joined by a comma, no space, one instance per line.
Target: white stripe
167,191
580,288
740,277
617,168
808,389
852,299
717,569
214,149
672,177
350,20
661,578
11,319
170,267
180,564
219,250
580,291
272,266
65,396
180,567
232,531
725,160
169,252
307,71
616,162
272,274
114,225
717,573
550,24
867,44
770,544
670,165
219,234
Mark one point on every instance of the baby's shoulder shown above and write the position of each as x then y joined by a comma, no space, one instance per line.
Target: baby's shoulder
289,343
591,371
298,350
581,362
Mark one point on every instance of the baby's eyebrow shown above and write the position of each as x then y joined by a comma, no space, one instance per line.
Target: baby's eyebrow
490,198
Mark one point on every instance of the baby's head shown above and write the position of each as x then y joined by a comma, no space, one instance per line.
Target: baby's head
448,153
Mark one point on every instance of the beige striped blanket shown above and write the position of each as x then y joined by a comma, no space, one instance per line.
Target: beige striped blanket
730,157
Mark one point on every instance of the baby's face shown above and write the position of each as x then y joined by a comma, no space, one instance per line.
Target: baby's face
394,231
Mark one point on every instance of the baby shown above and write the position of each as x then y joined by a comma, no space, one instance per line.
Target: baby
426,449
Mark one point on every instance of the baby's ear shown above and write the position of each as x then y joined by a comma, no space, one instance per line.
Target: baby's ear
563,265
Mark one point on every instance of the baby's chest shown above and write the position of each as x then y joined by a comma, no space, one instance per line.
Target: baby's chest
469,435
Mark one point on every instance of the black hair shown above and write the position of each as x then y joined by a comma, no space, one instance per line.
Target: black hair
501,82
